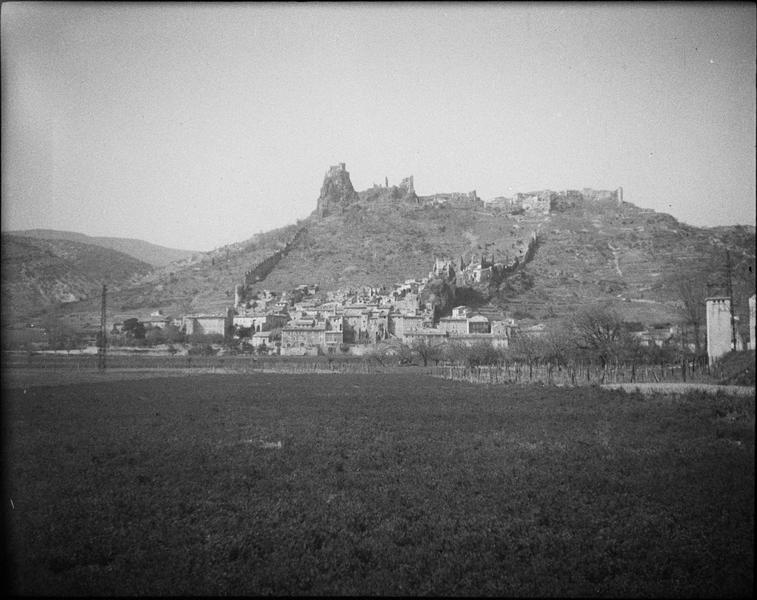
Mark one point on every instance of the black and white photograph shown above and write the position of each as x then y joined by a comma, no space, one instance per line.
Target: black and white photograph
378,299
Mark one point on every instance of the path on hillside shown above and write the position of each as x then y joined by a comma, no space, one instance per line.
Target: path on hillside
615,258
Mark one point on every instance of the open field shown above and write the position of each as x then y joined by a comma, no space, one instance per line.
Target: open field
375,484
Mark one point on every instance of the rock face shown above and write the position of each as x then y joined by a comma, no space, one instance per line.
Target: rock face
337,191
408,186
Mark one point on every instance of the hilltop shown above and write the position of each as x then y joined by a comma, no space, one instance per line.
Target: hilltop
152,254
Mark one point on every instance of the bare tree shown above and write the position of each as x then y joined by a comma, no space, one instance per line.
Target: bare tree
690,284
691,295
599,329
558,345
527,347
427,350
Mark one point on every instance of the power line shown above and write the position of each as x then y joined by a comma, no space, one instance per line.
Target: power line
102,341
730,298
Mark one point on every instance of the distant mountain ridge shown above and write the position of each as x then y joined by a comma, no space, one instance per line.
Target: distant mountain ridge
39,273
152,254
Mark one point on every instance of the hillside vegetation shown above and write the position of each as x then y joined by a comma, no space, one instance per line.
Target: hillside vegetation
382,243
203,283
630,256
39,273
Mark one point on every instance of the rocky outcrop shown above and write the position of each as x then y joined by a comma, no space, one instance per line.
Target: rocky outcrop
336,192
408,186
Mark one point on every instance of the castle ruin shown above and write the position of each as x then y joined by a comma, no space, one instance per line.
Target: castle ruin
336,192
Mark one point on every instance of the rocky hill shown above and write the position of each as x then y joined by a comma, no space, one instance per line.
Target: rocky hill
590,246
631,256
40,273
152,254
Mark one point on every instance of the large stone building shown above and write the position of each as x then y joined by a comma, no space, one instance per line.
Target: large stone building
299,340
261,321
208,324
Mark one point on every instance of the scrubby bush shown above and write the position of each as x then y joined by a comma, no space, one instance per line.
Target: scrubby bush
205,338
738,368
477,355
155,336
202,349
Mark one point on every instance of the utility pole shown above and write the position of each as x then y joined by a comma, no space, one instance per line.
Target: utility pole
102,342
730,298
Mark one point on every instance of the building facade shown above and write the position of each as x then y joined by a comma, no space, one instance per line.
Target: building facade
719,328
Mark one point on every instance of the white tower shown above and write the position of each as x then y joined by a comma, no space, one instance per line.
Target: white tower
719,334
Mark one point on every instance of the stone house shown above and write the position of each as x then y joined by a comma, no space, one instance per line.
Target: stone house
300,339
262,338
208,324
402,324
261,321
479,324
503,327
453,325
461,311
365,324
333,339
378,325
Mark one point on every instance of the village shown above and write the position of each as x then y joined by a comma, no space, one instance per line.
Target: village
306,321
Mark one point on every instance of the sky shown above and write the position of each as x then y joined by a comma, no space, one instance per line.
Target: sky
195,125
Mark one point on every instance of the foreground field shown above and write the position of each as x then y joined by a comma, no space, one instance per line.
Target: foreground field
375,484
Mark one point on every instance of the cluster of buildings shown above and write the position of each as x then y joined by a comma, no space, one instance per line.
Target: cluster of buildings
302,322
480,269
350,318
347,320
545,201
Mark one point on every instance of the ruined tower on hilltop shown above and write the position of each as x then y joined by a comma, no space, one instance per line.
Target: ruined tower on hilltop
336,192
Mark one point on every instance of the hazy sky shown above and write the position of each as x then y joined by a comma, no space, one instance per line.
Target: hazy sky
196,125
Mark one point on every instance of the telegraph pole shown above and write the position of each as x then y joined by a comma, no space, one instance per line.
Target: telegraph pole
102,342
730,298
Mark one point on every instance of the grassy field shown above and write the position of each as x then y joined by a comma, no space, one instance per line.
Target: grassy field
375,484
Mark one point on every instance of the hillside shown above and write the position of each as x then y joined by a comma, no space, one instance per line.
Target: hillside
39,273
202,283
152,254
383,242
631,256
590,248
